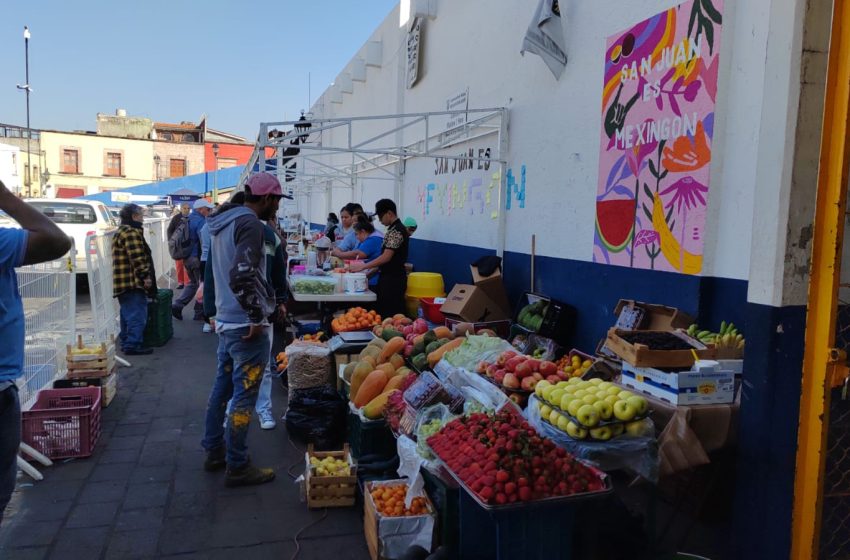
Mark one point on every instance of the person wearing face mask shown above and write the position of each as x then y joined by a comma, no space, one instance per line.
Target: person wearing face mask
392,283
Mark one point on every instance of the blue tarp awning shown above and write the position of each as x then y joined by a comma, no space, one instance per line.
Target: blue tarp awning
200,184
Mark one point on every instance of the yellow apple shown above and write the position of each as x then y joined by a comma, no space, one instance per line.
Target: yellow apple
588,416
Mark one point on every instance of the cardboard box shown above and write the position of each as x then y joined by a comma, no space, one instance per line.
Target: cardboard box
472,304
494,287
642,356
657,317
705,384
390,537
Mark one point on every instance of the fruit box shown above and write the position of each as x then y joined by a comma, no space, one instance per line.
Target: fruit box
90,361
654,317
705,384
557,322
108,385
389,537
472,304
330,491
641,355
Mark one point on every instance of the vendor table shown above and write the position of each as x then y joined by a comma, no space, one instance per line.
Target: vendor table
362,297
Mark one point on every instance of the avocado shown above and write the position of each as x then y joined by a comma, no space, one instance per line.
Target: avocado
389,334
418,348
420,362
430,337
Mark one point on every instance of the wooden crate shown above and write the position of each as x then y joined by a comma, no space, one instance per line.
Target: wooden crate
377,528
330,491
99,361
642,356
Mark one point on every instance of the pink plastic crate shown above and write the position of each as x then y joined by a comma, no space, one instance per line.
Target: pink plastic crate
63,423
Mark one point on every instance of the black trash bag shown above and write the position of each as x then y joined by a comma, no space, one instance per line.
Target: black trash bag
317,415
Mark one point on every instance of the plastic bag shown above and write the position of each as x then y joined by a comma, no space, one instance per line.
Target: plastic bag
309,365
430,420
477,349
409,463
317,415
637,454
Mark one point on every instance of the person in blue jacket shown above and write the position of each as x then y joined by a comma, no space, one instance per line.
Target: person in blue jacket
369,246
200,210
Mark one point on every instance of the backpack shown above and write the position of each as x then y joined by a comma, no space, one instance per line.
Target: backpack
180,242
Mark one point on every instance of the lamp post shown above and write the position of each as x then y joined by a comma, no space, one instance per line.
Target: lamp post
215,173
156,161
26,87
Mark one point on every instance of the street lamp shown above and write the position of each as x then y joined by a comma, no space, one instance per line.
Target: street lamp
26,87
156,160
215,173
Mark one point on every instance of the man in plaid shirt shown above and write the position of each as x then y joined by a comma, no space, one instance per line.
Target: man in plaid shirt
132,279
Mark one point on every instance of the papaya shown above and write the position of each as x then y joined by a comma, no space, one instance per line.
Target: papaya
378,342
387,368
438,354
371,387
393,346
370,360
397,361
375,408
443,332
390,333
349,371
360,373
394,382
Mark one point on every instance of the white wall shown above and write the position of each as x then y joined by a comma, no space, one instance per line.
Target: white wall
554,124
9,159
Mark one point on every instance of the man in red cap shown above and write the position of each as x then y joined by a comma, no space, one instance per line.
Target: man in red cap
243,301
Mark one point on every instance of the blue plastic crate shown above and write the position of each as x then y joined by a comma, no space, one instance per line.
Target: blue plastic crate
543,532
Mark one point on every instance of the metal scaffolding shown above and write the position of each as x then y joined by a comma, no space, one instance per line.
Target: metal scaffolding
321,154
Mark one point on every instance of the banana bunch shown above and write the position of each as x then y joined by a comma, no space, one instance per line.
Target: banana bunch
727,337
330,466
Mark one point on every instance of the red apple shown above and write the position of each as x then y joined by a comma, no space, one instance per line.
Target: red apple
511,381
548,368
538,376
523,369
499,376
534,364
512,363
420,326
491,370
482,367
553,379
528,384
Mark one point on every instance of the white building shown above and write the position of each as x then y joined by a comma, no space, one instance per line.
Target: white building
9,159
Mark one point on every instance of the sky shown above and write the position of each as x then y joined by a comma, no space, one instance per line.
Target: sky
240,63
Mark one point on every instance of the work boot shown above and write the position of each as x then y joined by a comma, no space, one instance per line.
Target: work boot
247,475
215,460
177,313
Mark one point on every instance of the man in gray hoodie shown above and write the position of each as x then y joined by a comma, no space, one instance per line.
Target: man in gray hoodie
243,301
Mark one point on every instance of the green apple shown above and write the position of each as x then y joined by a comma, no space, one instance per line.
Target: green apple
538,389
553,417
588,416
639,403
574,406
566,399
604,409
563,422
595,381
640,428
613,390
589,399
605,385
603,433
611,399
545,410
625,395
555,396
617,430
574,381
601,395
571,389
580,393
562,385
624,411
575,431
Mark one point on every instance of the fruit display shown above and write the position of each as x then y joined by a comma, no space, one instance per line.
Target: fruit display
727,337
389,501
516,372
502,460
355,319
378,372
574,364
329,466
423,346
475,349
594,408
531,316
395,324
656,340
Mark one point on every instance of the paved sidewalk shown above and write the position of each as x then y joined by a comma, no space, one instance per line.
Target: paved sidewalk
144,494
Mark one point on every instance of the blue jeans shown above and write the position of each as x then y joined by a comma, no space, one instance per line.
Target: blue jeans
264,398
10,441
241,365
134,317
193,270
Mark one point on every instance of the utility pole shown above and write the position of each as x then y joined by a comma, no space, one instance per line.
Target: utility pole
26,87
